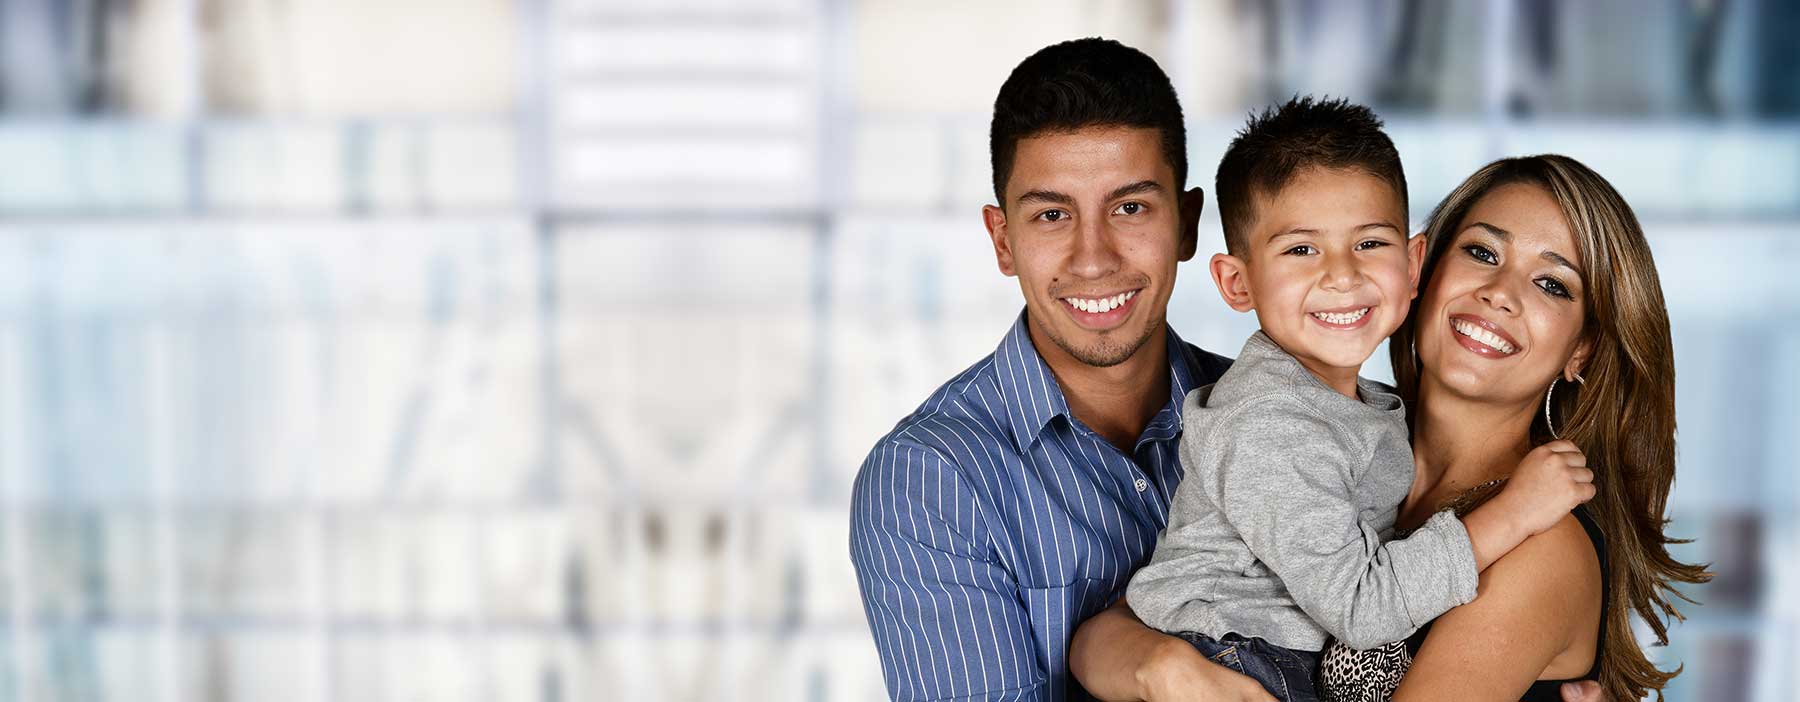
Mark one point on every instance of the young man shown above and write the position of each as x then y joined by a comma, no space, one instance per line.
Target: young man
1018,499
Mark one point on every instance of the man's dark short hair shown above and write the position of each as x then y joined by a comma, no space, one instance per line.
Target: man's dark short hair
1084,83
1283,141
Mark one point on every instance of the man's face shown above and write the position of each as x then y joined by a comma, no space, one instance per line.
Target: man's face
1092,229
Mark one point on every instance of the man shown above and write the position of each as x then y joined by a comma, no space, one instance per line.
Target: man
1019,498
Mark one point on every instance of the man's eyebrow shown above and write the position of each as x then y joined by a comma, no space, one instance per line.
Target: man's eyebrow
1049,196
1142,186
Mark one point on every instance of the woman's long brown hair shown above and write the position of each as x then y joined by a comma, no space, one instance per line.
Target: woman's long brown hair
1622,417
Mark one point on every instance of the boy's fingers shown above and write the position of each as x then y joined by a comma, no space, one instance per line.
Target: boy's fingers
1582,475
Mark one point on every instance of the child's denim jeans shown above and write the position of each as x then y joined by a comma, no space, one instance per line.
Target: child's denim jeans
1286,673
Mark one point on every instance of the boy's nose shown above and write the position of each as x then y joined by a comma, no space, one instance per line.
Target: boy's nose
1340,274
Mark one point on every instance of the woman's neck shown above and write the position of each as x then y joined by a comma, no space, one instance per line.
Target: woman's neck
1459,444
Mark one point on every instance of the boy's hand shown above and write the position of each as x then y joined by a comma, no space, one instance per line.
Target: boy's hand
1552,480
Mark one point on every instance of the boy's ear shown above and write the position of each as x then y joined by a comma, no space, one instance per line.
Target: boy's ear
1192,202
995,219
1415,260
1233,279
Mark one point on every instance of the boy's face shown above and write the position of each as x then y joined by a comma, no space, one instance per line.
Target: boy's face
1329,269
1092,229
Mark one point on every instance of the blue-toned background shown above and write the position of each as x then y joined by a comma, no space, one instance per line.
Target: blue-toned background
525,350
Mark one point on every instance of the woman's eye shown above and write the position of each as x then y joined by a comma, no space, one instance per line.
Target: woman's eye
1370,244
1301,250
1555,288
1130,208
1053,216
1481,254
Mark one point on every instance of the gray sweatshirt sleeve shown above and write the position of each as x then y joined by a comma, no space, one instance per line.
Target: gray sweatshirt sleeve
1284,482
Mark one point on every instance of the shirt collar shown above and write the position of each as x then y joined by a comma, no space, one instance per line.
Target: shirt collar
1033,397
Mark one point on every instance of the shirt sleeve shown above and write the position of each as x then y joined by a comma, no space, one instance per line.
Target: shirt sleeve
1285,485
947,617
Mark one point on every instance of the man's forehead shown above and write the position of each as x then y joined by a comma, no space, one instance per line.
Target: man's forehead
1089,161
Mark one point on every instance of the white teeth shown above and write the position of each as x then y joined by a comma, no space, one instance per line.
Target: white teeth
1104,304
1485,337
1341,317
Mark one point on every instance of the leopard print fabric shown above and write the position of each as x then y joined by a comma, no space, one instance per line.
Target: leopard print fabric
1349,675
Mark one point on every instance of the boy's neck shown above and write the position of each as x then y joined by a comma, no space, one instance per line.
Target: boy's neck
1342,380
1117,401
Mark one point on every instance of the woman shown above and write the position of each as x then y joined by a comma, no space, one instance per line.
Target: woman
1544,254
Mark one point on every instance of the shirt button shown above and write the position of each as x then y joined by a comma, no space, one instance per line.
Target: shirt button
1141,484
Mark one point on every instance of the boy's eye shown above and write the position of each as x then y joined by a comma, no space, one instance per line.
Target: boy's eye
1555,288
1053,215
1301,250
1370,244
1129,208
1480,253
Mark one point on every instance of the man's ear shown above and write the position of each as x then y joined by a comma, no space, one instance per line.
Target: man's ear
1233,279
1415,261
995,219
1192,202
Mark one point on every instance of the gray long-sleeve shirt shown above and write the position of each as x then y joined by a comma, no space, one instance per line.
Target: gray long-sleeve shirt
1280,528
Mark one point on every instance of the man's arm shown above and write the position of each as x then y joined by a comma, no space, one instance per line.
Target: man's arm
945,614
1116,657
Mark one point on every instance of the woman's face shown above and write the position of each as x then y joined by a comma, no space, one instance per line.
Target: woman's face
1503,311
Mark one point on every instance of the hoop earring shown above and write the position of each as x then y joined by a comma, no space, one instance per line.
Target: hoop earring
1547,394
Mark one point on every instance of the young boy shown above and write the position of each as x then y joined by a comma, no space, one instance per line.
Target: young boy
1295,467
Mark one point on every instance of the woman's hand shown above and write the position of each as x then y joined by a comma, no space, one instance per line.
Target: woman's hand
1177,672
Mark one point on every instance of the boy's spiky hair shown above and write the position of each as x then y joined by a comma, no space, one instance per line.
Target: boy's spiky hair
1285,140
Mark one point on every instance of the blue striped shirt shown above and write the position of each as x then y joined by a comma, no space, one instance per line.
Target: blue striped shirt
991,522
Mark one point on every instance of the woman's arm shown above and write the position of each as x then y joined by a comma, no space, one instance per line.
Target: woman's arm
1535,614
1116,657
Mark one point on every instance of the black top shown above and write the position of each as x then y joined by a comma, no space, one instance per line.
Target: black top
1348,675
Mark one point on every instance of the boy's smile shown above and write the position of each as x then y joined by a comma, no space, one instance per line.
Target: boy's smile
1329,270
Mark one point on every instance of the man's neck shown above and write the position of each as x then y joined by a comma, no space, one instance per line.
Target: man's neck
1117,402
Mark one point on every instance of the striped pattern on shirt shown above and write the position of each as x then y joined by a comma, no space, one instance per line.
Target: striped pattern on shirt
990,523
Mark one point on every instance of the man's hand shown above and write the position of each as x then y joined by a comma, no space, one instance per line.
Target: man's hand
1584,691
1177,672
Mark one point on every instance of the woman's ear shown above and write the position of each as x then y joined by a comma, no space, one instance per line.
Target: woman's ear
1578,360
1233,279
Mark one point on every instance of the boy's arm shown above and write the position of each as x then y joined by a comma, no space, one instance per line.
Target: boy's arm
1284,481
945,617
1552,480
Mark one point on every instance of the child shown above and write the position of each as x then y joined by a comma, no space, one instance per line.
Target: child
1295,467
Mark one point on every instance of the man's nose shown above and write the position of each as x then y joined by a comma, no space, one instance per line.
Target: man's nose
1096,253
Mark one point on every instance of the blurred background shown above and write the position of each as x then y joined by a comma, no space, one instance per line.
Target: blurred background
526,349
